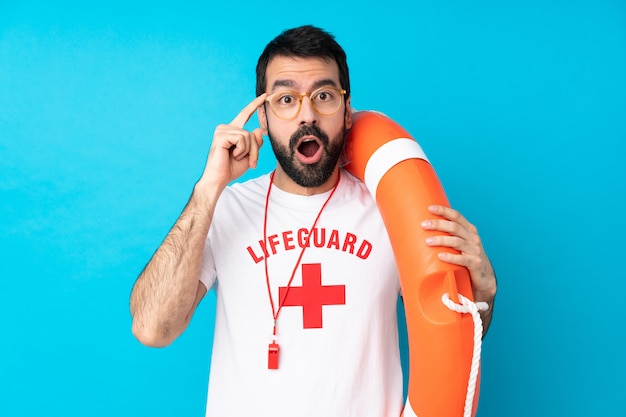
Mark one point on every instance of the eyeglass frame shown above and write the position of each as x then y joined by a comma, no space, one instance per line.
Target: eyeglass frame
342,92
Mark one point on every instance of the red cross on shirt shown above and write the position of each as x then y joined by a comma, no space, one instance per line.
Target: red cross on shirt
312,295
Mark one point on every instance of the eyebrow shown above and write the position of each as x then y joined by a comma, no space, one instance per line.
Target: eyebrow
292,84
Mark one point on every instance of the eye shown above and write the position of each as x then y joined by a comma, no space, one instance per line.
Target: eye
285,99
324,95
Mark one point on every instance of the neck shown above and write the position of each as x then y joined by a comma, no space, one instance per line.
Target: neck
285,183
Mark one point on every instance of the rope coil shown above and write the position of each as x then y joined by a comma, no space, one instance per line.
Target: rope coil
468,306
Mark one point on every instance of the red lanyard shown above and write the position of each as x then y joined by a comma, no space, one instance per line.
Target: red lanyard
272,362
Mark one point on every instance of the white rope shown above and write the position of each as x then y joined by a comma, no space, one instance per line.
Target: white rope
472,308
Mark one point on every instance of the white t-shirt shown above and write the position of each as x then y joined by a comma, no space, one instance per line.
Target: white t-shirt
337,331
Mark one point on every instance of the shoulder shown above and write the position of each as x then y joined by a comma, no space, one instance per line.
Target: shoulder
354,190
242,195
254,186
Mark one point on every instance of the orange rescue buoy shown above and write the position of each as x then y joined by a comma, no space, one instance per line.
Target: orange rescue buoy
442,342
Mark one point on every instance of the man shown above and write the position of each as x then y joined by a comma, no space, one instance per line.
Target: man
300,261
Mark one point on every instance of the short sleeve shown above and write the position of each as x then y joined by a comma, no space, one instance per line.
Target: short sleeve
208,273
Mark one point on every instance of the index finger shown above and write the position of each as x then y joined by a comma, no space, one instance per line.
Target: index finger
242,118
447,212
452,215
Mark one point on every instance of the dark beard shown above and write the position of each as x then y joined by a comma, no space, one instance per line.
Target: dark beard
309,175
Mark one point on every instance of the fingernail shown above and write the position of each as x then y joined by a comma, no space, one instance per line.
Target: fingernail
426,224
430,240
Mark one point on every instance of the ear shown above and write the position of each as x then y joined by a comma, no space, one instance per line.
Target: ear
348,116
262,120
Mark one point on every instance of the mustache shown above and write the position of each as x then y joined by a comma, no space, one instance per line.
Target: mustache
308,130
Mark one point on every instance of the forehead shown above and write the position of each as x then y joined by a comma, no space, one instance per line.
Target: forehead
300,72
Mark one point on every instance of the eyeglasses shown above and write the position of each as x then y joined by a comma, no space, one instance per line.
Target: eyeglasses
286,105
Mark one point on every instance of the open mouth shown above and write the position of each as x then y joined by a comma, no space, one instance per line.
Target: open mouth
308,147
309,150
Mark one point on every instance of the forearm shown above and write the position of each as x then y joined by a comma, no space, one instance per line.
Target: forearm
164,296
489,297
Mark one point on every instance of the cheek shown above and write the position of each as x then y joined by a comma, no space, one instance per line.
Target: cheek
278,130
338,127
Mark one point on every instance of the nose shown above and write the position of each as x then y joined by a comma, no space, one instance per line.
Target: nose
308,115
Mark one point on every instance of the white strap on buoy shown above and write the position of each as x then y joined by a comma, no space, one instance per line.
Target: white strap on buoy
386,157
472,308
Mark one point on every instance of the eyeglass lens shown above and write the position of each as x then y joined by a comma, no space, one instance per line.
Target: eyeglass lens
287,104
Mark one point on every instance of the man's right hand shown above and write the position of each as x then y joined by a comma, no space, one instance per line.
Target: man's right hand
234,150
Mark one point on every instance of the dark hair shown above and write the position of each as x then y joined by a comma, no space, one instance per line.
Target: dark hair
303,42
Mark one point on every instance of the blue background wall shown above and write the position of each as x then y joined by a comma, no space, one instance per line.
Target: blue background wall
106,116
